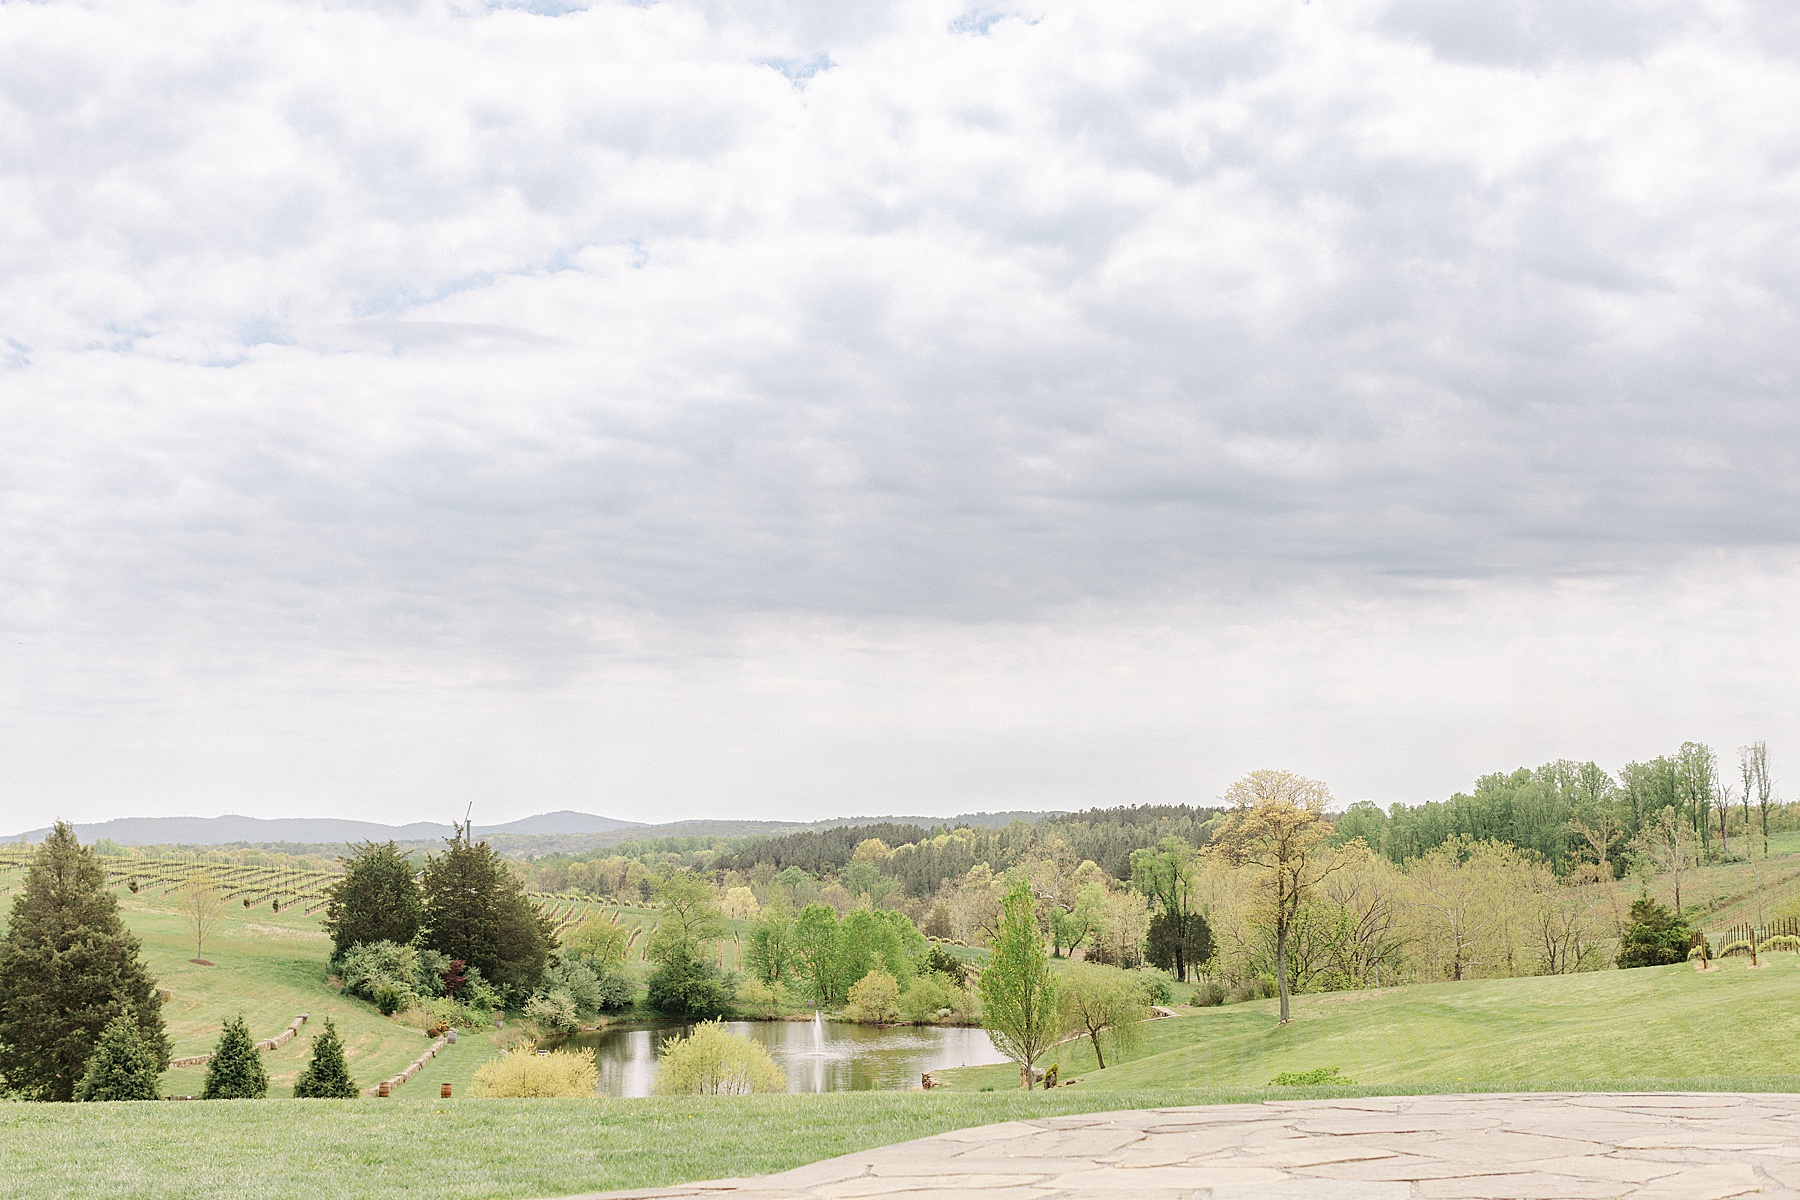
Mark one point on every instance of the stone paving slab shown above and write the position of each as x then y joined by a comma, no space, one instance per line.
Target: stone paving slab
1553,1146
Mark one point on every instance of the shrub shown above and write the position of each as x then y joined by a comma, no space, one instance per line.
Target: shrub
235,1071
941,962
528,1074
713,1062
327,1076
384,973
757,994
926,998
1737,947
445,1013
685,988
1781,941
123,1066
1318,1077
1210,994
1654,936
875,997
553,1012
1250,989
1155,986
615,991
576,980
477,992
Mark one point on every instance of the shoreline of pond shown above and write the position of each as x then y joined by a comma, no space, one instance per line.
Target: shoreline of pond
816,1054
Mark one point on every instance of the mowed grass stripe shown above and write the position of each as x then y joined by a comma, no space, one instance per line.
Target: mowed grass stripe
1657,1022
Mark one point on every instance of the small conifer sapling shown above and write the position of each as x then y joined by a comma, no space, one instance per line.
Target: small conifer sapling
327,1076
235,1071
123,1066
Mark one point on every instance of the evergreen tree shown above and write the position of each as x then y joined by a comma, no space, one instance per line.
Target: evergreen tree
1179,943
327,1076
375,900
68,967
1654,936
475,910
235,1071
122,1067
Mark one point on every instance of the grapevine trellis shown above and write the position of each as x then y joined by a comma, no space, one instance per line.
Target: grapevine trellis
280,887
1744,932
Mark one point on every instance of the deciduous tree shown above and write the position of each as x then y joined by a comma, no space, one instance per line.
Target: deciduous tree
1277,825
1100,1000
202,907
1169,875
1019,1003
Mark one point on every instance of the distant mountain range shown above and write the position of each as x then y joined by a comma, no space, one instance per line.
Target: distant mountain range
218,831
321,831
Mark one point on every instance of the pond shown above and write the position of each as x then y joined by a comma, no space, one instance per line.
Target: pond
818,1055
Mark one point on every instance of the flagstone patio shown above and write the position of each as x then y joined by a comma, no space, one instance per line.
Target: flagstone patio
1648,1146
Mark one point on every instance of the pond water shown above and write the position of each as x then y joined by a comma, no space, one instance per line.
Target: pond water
818,1055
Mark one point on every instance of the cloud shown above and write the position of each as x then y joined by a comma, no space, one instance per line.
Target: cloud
414,350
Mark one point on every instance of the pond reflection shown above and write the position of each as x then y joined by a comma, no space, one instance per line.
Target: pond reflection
818,1055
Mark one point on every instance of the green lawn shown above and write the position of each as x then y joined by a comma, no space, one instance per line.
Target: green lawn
1662,1022
497,1149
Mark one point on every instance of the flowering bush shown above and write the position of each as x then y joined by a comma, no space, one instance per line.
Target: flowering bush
526,1073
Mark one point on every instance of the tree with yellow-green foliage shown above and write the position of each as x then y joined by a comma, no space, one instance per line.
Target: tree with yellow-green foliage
524,1073
1020,1007
713,1062
1277,825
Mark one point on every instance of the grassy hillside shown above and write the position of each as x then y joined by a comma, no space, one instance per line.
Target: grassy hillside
271,967
1666,1022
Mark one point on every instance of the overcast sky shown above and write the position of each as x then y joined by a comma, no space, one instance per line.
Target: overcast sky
791,410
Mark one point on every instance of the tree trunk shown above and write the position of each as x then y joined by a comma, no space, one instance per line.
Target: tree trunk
1094,1036
1281,982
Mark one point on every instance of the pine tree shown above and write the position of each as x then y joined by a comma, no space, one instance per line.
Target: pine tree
68,967
235,1071
376,900
327,1076
122,1067
475,910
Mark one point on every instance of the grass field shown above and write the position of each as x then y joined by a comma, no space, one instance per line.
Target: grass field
271,967
1663,1022
504,1149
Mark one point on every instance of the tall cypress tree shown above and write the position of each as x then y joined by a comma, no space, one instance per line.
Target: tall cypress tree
235,1070
122,1066
375,900
68,967
327,1076
475,910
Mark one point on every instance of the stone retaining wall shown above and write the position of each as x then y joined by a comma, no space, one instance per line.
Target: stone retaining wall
275,1043
418,1064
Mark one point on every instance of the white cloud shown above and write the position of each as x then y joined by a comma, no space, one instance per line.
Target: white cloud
390,384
